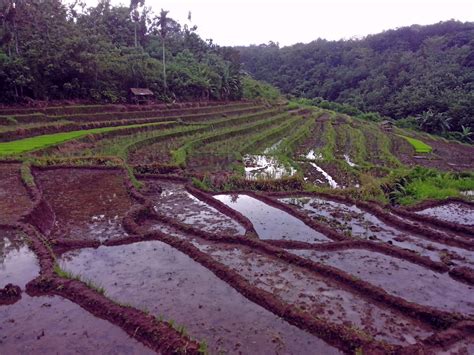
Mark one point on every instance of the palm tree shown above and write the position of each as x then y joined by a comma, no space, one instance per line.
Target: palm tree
134,4
162,22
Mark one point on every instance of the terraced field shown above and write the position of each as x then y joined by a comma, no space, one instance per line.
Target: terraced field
228,228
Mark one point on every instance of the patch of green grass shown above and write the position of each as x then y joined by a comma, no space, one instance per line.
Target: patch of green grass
420,147
420,183
34,143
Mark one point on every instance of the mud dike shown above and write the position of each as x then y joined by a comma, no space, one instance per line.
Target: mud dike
92,263
112,243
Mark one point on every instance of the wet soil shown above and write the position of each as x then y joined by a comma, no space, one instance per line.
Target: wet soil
452,212
53,325
400,278
174,201
169,284
89,204
317,296
446,156
14,199
18,264
270,222
353,222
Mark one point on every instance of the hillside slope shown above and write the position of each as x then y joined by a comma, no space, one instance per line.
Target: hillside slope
397,73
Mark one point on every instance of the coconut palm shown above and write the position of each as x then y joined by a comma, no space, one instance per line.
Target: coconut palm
162,23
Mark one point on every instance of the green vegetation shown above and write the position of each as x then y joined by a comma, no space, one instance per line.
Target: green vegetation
419,146
253,89
417,71
54,50
44,141
419,184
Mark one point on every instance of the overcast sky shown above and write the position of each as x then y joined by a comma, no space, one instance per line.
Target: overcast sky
244,22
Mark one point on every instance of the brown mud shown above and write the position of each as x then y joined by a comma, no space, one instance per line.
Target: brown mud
14,198
89,204
175,201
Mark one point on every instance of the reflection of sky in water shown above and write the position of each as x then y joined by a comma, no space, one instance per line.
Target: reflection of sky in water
266,167
451,212
18,264
271,222
358,223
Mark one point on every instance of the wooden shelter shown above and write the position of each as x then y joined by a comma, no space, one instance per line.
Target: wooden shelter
140,95
386,125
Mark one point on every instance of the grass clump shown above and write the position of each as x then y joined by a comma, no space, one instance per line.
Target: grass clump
419,146
421,184
70,276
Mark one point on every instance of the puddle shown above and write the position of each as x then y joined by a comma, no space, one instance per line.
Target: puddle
176,202
270,222
265,167
312,155
89,204
18,264
174,286
14,199
317,296
332,183
451,212
53,325
348,160
352,221
401,278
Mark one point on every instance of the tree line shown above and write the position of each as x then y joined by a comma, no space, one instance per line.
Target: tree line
422,74
53,51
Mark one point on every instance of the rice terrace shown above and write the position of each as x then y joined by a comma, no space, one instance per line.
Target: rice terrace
190,206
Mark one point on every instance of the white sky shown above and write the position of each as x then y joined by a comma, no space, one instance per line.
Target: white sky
244,22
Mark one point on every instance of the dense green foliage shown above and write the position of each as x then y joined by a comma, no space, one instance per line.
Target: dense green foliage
52,51
253,89
420,71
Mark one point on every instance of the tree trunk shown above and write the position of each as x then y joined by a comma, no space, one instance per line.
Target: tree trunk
164,66
135,30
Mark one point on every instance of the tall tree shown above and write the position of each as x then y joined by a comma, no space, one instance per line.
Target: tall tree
162,23
134,5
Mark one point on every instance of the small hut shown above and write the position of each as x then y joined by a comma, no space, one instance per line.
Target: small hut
386,126
140,95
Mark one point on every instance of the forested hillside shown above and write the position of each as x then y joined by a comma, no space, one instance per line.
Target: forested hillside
410,71
52,51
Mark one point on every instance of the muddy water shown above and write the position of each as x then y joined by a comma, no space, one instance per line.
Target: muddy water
400,278
265,167
317,296
270,222
18,264
176,202
53,325
352,221
451,212
14,198
88,204
168,283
